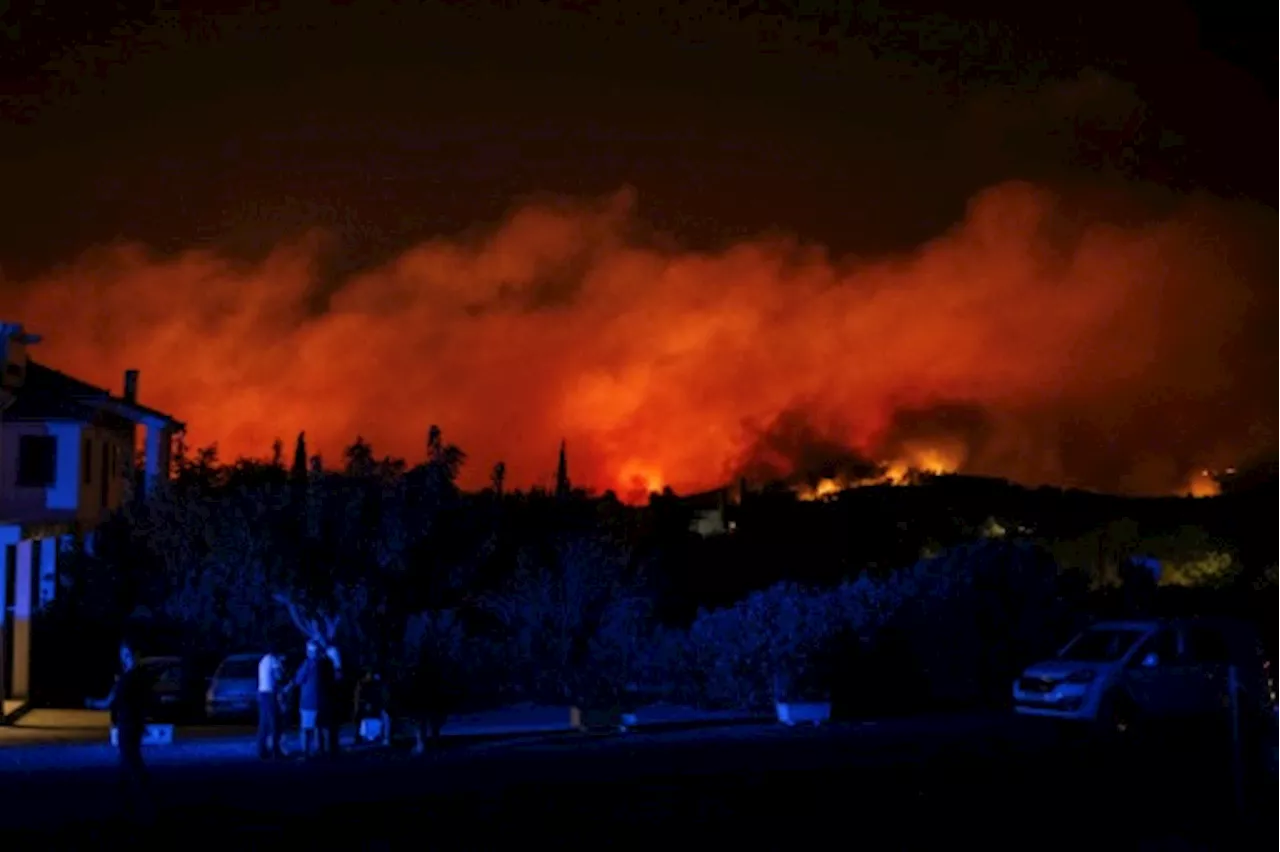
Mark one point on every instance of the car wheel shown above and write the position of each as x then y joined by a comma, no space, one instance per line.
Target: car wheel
1119,716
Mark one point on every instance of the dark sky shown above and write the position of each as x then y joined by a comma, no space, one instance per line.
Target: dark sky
860,125
671,233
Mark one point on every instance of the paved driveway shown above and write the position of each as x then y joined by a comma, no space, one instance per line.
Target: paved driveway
910,784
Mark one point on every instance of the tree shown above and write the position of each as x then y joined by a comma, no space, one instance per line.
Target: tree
299,470
359,459
562,475
558,610
321,627
443,460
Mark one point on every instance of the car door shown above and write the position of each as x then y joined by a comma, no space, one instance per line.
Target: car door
1151,676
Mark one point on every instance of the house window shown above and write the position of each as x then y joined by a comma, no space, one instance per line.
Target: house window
86,461
37,460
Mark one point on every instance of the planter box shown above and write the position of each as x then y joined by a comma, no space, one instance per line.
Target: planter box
804,713
514,720
613,717
370,729
154,735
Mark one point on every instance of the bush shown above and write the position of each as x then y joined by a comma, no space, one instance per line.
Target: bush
527,597
962,623
996,608
572,624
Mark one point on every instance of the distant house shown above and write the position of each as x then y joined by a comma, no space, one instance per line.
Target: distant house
712,512
67,460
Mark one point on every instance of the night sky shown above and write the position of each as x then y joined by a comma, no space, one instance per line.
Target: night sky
690,239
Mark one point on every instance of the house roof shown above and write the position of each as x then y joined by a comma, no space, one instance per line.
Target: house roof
706,501
49,394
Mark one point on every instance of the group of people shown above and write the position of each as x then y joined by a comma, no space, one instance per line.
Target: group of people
318,683
424,696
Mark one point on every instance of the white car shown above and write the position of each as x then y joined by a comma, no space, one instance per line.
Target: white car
1073,685
1116,672
233,689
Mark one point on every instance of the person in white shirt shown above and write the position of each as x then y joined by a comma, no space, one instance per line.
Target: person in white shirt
270,679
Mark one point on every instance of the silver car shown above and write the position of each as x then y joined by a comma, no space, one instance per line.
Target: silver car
233,689
1116,672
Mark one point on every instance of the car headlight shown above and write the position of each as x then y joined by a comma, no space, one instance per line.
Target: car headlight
1082,676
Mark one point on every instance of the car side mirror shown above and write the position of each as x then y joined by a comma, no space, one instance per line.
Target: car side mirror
1151,660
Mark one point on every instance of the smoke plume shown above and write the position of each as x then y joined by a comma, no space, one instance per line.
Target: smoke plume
1045,338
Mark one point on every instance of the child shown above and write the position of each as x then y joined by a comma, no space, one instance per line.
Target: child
371,703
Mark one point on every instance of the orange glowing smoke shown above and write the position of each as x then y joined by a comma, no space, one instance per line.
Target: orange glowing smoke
1041,340
1203,484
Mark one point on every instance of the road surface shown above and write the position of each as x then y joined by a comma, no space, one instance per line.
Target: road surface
903,784
48,727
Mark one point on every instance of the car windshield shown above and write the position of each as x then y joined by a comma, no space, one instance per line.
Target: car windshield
1101,645
155,664
238,669
163,671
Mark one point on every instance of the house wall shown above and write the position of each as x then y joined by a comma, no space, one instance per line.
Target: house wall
72,491
19,501
20,608
32,590
64,494
708,523
91,506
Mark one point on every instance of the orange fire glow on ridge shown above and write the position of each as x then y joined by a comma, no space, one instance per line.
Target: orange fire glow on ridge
1036,340
927,461
1203,484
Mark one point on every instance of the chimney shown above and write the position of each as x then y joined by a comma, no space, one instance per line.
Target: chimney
14,340
131,385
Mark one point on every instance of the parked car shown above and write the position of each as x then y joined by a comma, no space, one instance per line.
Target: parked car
1117,673
175,689
233,689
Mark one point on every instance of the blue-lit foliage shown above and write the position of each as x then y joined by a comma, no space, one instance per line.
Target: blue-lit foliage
970,617
556,598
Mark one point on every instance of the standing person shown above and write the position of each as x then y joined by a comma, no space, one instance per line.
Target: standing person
270,680
310,683
429,701
127,702
337,700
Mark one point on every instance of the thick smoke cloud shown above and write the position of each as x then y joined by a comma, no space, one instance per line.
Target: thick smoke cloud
794,450
1044,338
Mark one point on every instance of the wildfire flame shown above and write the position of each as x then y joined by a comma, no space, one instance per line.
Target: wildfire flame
637,480
1203,484
932,461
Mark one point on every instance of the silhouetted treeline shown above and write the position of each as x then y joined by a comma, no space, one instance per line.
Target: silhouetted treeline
943,589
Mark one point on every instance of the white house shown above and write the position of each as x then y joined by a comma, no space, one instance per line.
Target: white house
67,460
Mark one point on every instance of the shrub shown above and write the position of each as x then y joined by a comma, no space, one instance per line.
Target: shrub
573,624
963,623
996,607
